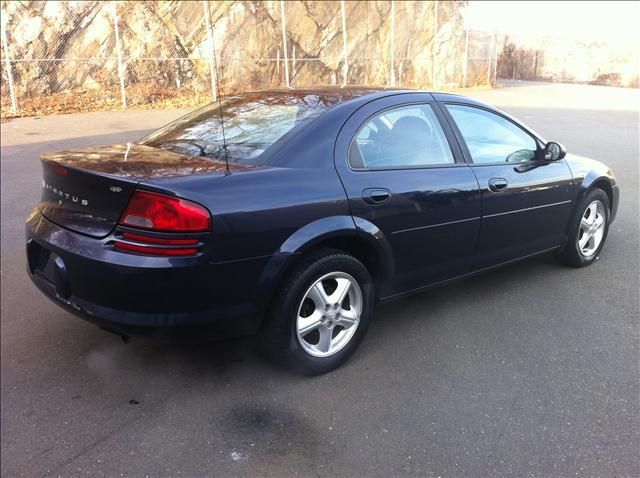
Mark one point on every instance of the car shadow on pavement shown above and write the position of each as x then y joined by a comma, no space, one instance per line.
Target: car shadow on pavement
457,309
414,317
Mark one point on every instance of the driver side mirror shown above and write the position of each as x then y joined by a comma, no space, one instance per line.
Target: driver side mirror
554,151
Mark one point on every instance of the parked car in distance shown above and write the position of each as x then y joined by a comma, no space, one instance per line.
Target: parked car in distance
290,213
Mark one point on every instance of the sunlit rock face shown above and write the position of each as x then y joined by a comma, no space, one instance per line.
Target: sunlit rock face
247,37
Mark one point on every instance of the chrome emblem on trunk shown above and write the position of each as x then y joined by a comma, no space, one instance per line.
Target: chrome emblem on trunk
64,195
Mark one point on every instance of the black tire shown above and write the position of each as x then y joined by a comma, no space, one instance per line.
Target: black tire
572,255
279,335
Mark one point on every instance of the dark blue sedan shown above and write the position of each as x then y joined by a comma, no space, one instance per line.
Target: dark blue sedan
290,213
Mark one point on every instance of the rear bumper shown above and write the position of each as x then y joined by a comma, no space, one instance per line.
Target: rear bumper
185,327
163,298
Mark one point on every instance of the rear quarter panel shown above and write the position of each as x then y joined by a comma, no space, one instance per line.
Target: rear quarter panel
255,212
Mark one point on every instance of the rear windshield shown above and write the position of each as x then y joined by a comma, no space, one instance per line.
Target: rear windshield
253,123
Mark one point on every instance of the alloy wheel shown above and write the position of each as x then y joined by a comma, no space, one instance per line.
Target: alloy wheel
329,314
592,226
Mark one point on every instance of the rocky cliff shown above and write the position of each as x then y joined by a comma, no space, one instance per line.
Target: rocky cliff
166,46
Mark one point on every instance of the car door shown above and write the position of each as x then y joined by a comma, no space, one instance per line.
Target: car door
404,173
526,200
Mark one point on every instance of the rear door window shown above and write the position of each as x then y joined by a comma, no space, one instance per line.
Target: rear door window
405,136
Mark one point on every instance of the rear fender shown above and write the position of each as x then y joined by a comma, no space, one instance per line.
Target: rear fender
314,234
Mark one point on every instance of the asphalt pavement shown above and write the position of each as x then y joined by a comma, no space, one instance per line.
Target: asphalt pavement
532,370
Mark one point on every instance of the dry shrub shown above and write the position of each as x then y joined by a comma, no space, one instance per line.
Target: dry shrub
139,96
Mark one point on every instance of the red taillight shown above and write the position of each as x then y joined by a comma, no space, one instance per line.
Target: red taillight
59,170
155,250
158,246
157,240
165,213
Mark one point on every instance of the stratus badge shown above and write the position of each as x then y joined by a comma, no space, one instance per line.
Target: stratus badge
64,195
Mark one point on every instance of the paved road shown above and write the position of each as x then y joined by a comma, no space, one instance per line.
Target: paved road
530,370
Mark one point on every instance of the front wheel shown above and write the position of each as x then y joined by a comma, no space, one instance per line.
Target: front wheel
588,231
321,314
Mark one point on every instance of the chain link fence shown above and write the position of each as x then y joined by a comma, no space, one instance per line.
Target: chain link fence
95,55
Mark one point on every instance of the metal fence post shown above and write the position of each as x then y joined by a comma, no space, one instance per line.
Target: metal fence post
293,60
123,94
495,66
489,66
345,70
213,74
393,34
12,93
466,58
434,53
284,42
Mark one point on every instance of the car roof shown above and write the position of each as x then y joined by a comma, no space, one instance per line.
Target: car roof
344,91
359,94
338,94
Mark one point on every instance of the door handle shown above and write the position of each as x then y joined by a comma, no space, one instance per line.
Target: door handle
498,184
376,196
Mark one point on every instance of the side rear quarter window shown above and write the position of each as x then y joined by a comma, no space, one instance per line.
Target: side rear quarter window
404,136
491,138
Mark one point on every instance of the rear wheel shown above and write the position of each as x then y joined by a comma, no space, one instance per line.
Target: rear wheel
588,231
321,313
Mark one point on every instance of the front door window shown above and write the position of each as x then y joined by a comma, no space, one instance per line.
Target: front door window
491,138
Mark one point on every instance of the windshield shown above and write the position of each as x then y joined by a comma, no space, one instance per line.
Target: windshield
252,124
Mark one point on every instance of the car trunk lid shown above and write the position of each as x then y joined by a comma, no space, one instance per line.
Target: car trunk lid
87,190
